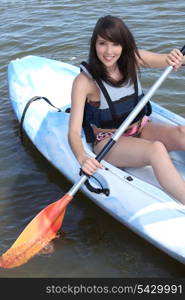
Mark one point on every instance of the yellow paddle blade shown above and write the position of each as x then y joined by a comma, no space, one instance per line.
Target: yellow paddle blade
37,234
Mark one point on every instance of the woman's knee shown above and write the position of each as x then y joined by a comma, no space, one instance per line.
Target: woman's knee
181,131
178,138
157,150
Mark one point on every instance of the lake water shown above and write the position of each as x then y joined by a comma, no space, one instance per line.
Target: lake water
93,243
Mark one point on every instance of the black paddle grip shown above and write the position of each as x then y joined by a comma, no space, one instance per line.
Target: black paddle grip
105,150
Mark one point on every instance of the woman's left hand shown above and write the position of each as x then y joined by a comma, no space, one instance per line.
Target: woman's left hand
175,59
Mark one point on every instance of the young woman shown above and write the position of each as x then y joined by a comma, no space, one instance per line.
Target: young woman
114,60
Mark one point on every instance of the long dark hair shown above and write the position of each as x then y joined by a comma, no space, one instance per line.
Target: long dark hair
114,29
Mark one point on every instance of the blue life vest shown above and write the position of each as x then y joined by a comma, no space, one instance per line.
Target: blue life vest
113,111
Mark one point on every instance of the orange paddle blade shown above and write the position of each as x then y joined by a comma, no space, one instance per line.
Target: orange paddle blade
37,234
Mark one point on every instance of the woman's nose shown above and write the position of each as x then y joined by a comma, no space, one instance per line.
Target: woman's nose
109,49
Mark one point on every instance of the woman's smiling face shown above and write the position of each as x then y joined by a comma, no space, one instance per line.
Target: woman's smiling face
108,52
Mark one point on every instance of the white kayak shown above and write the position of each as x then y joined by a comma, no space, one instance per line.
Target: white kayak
135,197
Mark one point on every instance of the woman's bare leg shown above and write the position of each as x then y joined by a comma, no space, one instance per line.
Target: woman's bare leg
138,152
173,137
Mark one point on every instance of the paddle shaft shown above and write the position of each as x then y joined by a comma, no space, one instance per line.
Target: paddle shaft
126,123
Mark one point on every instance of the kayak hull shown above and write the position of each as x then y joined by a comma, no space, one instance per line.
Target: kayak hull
135,198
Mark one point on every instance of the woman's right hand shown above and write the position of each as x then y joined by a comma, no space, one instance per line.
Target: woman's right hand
90,165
